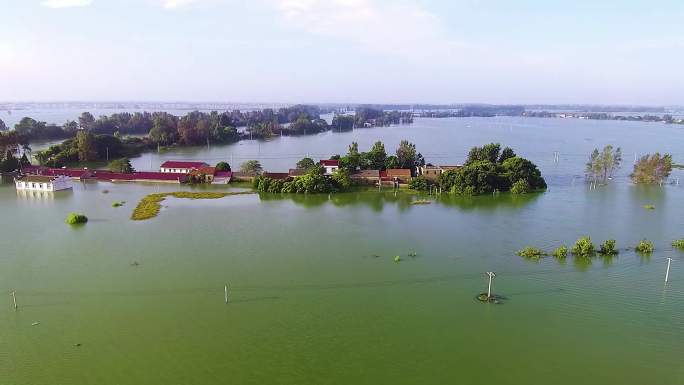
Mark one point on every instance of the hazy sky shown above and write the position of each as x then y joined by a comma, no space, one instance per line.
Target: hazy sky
434,51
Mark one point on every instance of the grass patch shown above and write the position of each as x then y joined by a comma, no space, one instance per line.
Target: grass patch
644,247
531,253
678,244
149,206
649,207
561,252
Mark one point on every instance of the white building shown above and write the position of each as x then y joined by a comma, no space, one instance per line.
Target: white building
42,183
177,167
330,166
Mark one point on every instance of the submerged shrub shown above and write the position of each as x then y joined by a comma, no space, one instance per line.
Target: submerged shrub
531,252
649,207
583,247
608,248
75,218
644,247
679,244
561,252
520,187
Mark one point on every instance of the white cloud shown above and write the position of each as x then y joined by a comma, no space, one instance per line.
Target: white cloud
171,4
386,26
66,3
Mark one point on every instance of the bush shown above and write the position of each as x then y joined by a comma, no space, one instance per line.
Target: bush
608,248
419,183
520,187
561,252
118,204
583,247
75,219
644,247
531,253
678,244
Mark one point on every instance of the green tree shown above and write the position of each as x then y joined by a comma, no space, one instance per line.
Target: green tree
3,127
602,165
121,165
489,152
306,163
516,169
341,178
376,157
86,121
251,167
407,157
85,143
652,169
391,162
222,166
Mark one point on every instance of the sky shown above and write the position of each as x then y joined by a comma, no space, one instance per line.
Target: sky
343,51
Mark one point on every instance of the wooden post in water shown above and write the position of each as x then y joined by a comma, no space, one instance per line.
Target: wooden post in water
489,287
667,272
225,293
14,298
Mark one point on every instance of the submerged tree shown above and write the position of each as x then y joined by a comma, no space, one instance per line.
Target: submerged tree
121,165
602,165
306,163
652,169
251,167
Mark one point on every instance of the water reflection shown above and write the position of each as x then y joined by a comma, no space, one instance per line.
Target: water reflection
376,201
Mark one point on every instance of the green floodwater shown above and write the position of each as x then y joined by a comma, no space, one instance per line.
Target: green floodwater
315,296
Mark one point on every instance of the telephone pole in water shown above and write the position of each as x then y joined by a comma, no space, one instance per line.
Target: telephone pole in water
491,276
667,272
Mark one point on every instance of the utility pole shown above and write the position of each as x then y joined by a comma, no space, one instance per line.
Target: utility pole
14,298
225,293
491,276
107,154
667,272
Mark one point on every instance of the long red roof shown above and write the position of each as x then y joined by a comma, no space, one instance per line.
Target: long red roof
183,164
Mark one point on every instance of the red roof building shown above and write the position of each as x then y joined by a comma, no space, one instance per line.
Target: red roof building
330,163
181,167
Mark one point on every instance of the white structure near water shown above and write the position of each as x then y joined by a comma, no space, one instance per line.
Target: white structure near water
42,183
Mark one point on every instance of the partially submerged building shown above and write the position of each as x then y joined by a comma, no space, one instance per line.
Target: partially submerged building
43,183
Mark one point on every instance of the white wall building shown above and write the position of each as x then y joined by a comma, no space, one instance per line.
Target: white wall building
177,167
43,183
330,166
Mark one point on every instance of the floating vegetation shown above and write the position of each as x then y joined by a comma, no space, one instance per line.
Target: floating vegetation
397,258
494,298
678,244
608,248
583,247
644,247
412,254
649,207
76,219
531,253
149,206
420,202
560,252
118,204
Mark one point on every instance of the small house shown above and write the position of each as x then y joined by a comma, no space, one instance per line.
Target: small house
366,176
433,172
401,175
43,183
178,167
330,165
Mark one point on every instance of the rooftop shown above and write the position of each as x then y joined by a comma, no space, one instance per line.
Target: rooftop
183,164
330,162
37,178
